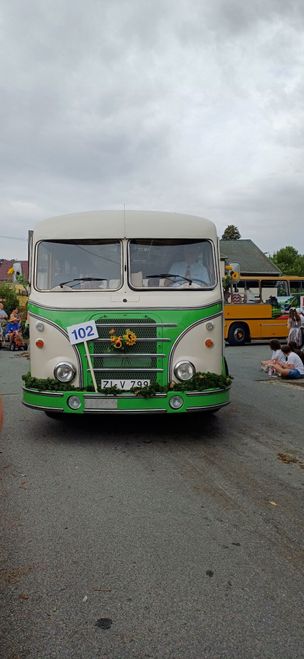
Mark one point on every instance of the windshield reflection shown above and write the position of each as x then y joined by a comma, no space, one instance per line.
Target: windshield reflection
79,265
171,264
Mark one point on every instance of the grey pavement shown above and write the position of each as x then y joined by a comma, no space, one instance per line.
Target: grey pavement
164,537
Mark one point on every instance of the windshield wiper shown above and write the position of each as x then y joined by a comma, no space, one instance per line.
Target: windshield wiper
63,283
169,274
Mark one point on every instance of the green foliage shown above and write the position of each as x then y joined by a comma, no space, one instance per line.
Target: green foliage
45,384
199,382
289,261
8,297
20,279
25,329
226,280
231,233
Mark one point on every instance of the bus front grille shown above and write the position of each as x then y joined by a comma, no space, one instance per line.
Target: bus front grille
140,362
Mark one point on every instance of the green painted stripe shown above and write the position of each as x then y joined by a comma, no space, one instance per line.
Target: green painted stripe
183,317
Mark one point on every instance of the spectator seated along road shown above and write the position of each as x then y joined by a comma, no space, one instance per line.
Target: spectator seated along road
277,356
297,350
14,326
294,367
3,314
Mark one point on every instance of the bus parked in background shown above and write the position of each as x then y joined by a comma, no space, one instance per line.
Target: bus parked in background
267,287
119,322
257,312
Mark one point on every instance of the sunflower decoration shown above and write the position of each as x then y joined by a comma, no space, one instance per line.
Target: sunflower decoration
122,341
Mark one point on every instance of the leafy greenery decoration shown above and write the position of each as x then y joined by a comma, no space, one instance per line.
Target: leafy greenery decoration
199,382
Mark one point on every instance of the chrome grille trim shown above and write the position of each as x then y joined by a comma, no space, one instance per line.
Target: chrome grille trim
118,411
49,394
141,340
128,369
206,392
125,395
141,361
207,408
134,324
43,407
125,355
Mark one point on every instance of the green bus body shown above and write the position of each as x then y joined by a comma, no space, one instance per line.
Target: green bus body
169,326
177,322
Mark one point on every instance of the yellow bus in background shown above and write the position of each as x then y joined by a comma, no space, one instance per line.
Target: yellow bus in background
259,313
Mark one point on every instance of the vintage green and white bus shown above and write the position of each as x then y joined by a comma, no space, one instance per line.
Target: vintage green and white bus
125,315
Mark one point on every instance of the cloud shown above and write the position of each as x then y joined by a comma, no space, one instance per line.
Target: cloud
186,106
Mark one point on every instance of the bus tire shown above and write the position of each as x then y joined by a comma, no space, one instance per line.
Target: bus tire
238,334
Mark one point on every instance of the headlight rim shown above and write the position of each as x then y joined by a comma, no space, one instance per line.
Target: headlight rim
73,372
179,364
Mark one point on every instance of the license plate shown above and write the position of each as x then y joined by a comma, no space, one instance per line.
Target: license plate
124,384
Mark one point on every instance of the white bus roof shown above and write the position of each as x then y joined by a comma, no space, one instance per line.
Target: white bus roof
124,224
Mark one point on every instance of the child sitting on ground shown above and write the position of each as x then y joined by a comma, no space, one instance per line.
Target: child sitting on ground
277,356
293,368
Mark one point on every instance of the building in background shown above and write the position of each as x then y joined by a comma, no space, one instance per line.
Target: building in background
251,259
10,270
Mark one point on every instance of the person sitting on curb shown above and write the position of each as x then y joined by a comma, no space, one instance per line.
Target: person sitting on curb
3,314
294,367
297,350
277,356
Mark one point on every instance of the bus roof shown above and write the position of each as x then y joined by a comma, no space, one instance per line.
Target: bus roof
124,224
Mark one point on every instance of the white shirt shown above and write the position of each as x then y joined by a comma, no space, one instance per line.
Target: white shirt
195,271
279,356
296,362
250,296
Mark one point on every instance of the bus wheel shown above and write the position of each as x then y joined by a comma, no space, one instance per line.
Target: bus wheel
237,335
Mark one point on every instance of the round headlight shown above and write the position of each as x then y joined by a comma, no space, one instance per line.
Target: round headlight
64,372
39,326
176,402
184,371
74,402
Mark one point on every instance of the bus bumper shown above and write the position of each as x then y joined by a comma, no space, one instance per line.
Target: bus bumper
93,403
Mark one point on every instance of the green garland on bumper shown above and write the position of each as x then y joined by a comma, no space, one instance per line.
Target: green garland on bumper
199,382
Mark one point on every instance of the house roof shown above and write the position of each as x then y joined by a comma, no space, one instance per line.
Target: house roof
251,259
6,264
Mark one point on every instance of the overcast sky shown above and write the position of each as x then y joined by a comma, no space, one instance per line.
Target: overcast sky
180,105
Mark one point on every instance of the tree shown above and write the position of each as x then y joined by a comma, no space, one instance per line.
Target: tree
289,261
231,233
8,297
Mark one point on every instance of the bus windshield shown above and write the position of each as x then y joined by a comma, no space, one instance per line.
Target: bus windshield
79,265
171,263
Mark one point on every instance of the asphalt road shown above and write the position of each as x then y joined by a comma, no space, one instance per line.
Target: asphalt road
175,537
